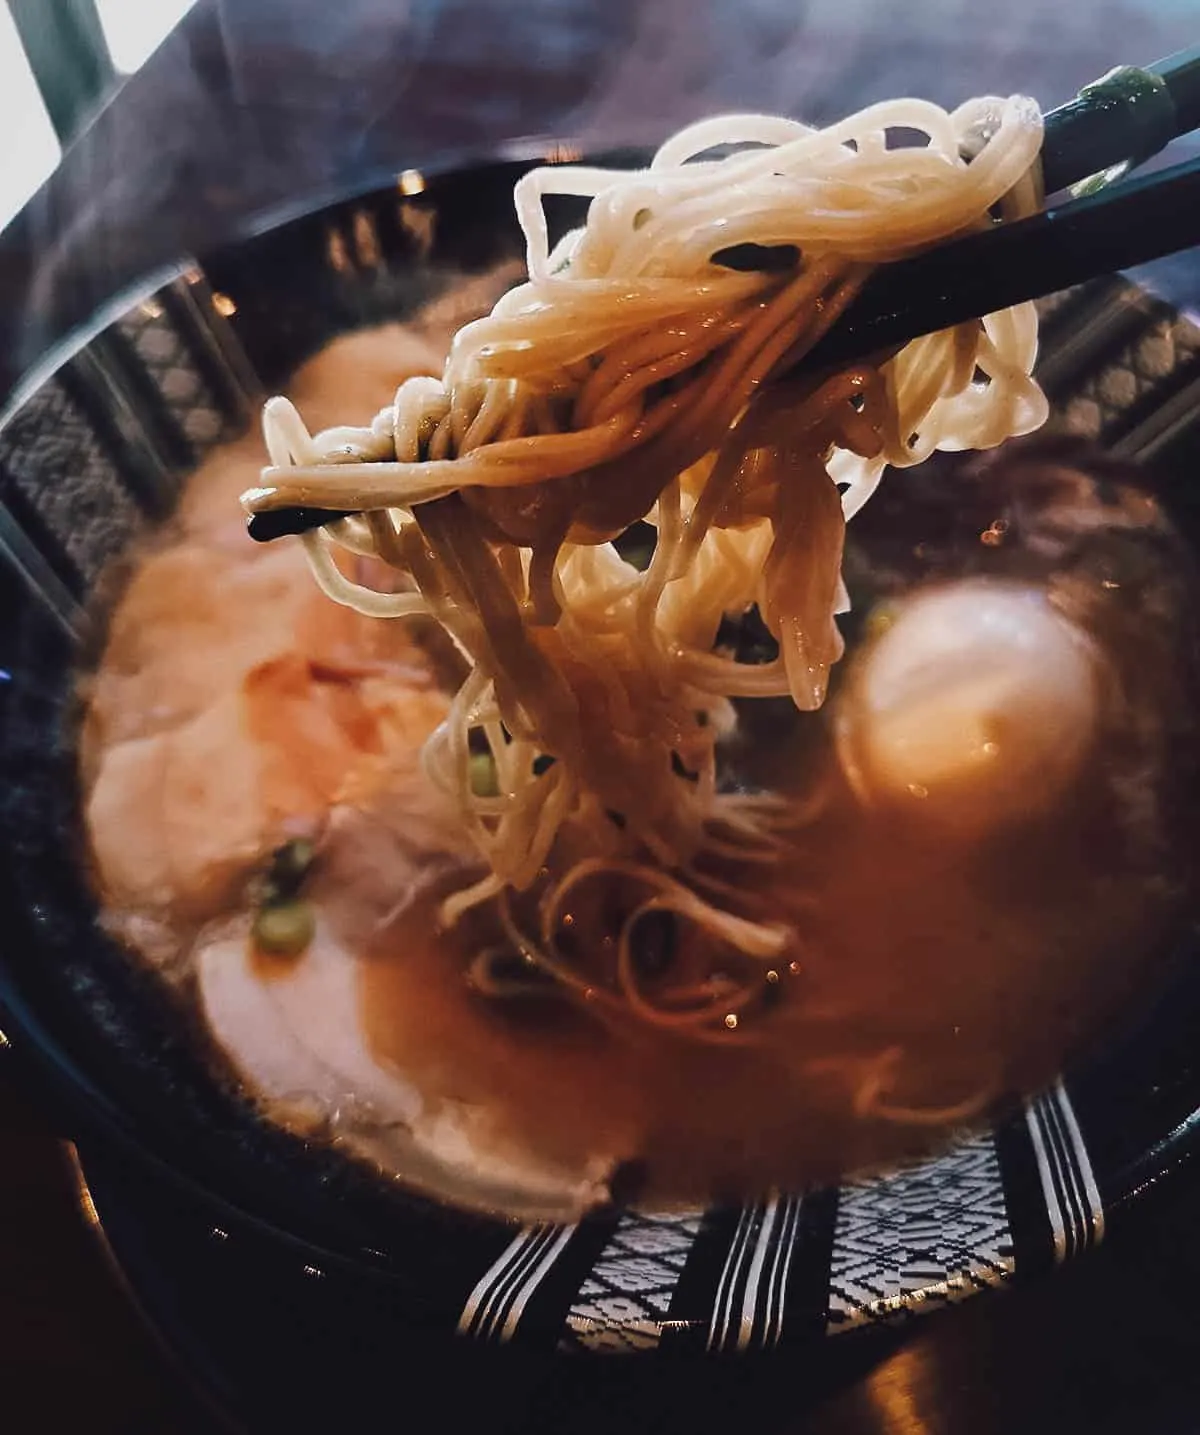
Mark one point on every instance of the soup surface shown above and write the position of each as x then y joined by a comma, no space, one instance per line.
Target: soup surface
982,844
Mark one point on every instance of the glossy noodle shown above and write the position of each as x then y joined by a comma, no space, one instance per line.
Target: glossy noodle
644,373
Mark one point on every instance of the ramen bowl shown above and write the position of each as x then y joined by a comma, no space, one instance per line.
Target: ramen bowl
90,458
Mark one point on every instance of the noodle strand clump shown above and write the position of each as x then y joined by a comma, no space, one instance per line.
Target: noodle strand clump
643,374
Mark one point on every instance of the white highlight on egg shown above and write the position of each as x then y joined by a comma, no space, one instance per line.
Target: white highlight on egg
979,701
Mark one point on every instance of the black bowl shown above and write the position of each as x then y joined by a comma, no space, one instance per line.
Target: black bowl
94,454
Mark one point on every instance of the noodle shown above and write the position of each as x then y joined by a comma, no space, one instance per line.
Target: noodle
631,378
877,1080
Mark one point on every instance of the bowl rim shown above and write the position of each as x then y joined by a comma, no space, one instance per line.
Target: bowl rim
88,1112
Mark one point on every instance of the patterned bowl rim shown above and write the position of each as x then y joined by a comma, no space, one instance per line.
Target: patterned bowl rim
1038,1190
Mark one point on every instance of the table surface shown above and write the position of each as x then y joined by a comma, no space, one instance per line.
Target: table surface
1111,1345
1108,1346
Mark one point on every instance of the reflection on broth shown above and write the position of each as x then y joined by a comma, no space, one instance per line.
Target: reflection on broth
925,984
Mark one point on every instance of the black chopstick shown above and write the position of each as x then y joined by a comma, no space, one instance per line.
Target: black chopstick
1132,223
1181,75
274,523
1122,119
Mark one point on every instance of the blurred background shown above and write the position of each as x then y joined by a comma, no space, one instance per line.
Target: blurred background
187,122
55,59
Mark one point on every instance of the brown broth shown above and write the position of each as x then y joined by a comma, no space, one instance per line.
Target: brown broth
986,965
985,968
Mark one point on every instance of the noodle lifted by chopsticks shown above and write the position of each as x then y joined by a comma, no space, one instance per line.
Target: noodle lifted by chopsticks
631,378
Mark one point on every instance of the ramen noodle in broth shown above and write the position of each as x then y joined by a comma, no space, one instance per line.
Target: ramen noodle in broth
564,855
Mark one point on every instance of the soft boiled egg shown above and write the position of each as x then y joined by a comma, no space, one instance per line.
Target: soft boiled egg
978,701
